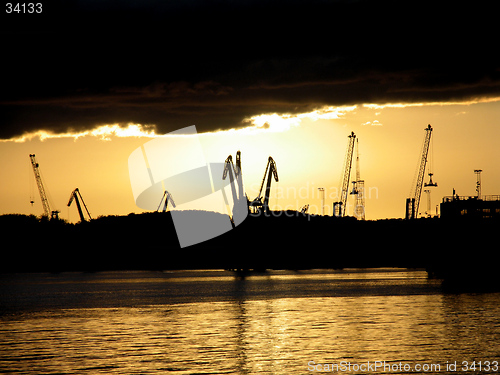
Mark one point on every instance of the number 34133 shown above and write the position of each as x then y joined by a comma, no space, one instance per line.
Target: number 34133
23,7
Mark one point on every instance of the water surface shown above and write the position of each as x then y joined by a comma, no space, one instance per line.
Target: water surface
211,322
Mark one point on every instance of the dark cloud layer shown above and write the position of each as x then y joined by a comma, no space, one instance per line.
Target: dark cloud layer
216,63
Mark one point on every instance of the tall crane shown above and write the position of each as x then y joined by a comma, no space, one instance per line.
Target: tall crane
413,201
240,200
74,197
43,196
264,201
339,207
358,189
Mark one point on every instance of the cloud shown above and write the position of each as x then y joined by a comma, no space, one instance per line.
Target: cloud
274,122
102,132
146,63
441,103
372,123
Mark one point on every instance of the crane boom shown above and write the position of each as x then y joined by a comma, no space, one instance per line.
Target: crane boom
41,189
74,196
413,202
339,207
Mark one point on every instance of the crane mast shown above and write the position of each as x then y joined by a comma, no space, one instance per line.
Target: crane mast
413,202
339,207
74,197
41,189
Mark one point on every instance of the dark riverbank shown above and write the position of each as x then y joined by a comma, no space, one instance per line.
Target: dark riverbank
282,240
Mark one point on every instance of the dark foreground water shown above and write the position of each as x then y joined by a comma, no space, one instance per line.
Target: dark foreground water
211,322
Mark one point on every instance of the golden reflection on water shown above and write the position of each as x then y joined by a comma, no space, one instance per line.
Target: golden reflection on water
245,336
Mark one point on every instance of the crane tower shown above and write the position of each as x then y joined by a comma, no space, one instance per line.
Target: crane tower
41,189
413,201
339,207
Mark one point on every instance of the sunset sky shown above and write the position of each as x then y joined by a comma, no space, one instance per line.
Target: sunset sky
88,82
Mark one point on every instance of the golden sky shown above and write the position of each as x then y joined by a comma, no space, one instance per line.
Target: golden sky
87,83
308,148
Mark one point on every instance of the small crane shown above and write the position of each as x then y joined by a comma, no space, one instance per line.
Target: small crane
43,196
167,197
339,207
273,172
74,197
413,202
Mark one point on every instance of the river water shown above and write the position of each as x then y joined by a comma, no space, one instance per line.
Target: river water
213,322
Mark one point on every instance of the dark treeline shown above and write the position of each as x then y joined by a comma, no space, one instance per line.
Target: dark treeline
281,240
